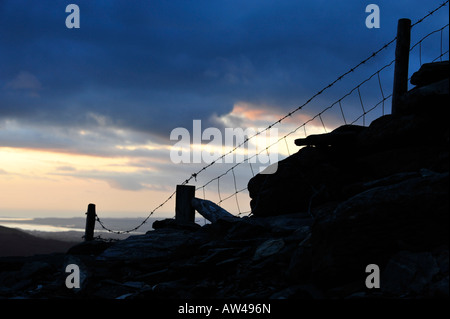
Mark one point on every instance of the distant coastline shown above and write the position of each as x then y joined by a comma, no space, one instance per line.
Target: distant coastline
71,229
22,236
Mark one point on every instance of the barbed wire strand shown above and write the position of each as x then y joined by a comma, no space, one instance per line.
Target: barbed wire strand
382,102
363,115
429,14
321,91
339,78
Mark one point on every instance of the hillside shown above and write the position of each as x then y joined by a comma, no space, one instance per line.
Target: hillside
14,242
355,197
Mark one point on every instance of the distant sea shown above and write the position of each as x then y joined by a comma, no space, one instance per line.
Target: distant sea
73,228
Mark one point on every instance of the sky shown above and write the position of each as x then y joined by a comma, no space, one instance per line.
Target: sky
86,114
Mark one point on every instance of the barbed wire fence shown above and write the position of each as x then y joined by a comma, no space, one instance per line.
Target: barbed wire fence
369,110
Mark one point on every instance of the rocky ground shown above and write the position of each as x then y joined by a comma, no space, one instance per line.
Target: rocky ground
352,198
286,256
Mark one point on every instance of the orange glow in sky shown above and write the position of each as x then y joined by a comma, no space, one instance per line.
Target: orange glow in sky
54,183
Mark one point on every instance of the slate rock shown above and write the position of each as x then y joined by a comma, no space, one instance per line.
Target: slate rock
440,288
175,224
35,268
430,73
300,265
299,292
426,100
409,272
211,211
371,226
268,248
92,247
345,135
155,244
318,175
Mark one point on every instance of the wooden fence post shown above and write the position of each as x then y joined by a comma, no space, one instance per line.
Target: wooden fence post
401,63
90,223
184,211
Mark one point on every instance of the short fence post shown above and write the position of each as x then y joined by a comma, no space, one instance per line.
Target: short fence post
90,223
401,63
184,211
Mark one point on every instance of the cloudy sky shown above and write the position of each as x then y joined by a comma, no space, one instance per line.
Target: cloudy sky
86,114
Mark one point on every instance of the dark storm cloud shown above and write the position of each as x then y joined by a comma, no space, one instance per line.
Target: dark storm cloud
155,65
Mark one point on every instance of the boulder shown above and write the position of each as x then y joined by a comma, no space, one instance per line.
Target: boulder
430,73
372,226
427,100
349,156
409,273
155,244
211,211
91,247
268,248
174,224
344,135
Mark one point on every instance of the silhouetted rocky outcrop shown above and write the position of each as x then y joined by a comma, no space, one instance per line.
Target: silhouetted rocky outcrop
350,198
337,165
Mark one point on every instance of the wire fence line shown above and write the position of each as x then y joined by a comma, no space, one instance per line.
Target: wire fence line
366,109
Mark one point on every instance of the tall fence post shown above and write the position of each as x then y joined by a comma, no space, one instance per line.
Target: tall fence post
184,211
401,63
90,223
